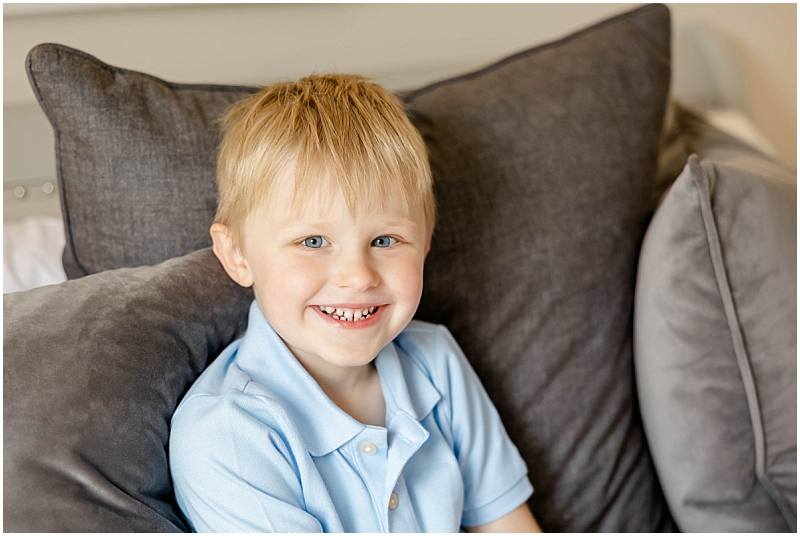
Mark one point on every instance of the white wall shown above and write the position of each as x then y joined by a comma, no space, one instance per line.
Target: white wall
763,38
400,45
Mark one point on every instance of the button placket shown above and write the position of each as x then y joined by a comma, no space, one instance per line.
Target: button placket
370,450
401,518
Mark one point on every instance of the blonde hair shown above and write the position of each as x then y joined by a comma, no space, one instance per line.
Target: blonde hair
341,129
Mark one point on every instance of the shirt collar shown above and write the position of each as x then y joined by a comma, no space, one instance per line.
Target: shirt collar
323,426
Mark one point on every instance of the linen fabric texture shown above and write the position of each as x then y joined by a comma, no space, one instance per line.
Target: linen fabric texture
716,339
544,193
135,159
256,445
543,166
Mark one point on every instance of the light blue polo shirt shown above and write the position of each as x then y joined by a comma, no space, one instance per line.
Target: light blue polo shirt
256,445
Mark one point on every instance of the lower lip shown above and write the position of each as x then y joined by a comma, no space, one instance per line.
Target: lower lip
343,324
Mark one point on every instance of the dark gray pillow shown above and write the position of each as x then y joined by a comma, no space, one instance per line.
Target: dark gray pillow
135,157
92,372
716,338
544,166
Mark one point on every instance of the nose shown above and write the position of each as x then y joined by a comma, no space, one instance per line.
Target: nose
355,271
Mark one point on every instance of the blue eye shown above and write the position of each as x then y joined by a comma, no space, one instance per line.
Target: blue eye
315,242
384,242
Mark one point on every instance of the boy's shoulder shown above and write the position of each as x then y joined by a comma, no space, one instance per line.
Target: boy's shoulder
420,339
431,347
224,389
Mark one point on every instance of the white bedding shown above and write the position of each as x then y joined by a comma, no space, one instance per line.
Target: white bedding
32,253
738,124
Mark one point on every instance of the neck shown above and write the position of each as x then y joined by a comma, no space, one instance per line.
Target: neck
356,390
333,377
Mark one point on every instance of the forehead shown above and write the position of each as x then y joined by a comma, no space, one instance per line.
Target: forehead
322,199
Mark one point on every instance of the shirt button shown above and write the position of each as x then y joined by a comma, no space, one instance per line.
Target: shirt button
368,448
393,501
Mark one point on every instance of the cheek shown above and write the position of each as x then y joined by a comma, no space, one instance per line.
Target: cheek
407,280
286,278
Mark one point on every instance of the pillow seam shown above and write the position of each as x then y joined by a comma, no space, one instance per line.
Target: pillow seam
171,85
530,51
70,239
702,180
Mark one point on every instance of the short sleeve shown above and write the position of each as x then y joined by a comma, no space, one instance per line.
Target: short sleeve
495,475
231,471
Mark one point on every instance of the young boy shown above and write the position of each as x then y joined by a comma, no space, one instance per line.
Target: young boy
336,411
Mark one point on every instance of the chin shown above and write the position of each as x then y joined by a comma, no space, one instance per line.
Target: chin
355,358
353,348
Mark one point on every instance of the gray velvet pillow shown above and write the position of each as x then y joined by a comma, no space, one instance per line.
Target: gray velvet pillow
544,166
716,339
92,372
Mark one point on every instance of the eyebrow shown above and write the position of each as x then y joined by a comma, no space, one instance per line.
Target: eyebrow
291,226
401,223
300,225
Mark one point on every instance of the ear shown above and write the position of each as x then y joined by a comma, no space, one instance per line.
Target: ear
229,255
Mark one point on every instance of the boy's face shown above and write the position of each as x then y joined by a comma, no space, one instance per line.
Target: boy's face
336,289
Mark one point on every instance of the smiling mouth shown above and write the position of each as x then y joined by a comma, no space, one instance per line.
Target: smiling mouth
349,315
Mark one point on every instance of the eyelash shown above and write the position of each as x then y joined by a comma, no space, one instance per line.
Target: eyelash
304,241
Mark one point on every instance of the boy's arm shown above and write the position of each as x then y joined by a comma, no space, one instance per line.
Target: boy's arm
496,485
518,520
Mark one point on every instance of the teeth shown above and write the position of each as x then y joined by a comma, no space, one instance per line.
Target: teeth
348,315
